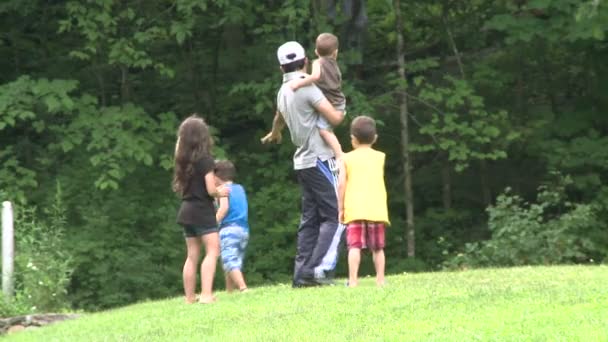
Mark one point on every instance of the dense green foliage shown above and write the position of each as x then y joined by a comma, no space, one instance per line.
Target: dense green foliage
501,94
528,303
549,231
43,264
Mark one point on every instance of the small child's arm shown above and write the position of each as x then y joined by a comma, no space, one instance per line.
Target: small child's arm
341,189
212,190
314,76
222,210
278,123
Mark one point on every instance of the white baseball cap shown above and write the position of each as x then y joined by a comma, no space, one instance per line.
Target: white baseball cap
290,52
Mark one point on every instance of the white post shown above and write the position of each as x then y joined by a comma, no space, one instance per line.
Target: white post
8,249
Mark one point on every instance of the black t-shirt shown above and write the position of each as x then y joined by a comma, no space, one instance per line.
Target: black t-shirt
197,207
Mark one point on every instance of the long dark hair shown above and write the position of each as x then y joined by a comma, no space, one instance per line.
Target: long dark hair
193,143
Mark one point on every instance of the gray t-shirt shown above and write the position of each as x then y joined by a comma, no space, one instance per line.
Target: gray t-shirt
300,116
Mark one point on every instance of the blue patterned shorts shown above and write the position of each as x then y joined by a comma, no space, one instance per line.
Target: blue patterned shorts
233,240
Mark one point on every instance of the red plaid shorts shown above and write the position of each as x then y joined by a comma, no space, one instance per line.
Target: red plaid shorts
365,234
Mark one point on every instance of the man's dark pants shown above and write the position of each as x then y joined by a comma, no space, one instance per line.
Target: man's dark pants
319,221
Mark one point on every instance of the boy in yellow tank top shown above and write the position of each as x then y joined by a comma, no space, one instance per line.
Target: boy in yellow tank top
362,199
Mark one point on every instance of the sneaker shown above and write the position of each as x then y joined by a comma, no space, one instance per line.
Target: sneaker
325,281
304,282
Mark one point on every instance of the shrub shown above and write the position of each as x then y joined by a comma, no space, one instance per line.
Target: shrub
550,231
42,264
440,232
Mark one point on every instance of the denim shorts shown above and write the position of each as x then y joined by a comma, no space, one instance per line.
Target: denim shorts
233,241
194,231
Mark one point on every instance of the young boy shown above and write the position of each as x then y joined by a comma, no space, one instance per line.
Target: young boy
362,199
232,216
327,76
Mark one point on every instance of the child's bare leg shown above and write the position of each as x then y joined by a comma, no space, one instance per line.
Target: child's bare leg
229,283
237,279
354,259
379,261
193,245
212,251
330,138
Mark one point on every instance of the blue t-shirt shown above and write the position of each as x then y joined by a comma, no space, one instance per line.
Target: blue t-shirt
237,214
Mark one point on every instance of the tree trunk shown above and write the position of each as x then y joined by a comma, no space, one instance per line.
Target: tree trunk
124,84
194,77
446,180
485,184
320,15
483,165
405,152
444,19
98,72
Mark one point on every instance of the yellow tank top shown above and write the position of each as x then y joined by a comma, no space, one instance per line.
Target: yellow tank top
365,197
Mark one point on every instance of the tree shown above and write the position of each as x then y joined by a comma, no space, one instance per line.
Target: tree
405,137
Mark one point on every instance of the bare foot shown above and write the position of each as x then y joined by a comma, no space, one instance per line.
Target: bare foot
190,300
207,299
243,290
353,284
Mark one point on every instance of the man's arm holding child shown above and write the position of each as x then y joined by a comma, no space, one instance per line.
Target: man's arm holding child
333,116
314,76
278,123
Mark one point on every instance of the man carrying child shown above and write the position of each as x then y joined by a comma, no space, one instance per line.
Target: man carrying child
319,231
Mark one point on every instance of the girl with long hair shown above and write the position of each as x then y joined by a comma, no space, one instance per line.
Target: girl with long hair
194,181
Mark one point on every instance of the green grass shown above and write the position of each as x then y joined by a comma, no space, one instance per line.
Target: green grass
565,303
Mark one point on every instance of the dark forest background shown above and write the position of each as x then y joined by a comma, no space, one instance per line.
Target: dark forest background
500,117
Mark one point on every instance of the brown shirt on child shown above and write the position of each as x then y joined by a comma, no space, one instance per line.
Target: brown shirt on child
330,81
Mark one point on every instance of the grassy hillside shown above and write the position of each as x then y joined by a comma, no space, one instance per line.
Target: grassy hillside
519,304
